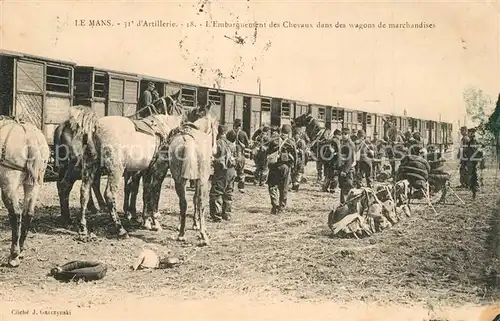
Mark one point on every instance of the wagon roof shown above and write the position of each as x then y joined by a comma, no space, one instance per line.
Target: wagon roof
24,55
109,71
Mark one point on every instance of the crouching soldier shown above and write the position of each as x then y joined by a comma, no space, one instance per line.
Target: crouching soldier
282,155
221,192
347,164
298,170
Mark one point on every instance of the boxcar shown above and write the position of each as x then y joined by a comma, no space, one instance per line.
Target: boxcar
36,89
108,92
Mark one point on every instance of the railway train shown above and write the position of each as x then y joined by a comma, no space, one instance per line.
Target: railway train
42,90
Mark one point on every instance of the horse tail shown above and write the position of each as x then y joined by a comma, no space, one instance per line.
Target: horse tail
189,161
36,163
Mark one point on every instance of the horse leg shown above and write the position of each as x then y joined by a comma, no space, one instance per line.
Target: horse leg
196,196
114,177
180,189
201,188
147,198
30,197
11,201
160,176
96,187
158,179
88,172
134,191
127,178
67,178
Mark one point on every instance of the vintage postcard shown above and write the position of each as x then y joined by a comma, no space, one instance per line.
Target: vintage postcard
249,160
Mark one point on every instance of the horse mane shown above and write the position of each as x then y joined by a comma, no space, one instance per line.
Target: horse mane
10,119
82,120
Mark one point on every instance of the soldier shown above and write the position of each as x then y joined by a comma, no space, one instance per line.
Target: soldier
331,168
474,155
260,154
347,164
240,139
366,155
298,170
265,129
462,158
377,145
147,96
354,135
282,157
221,192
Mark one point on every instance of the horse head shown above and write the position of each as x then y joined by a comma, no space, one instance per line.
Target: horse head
206,121
303,120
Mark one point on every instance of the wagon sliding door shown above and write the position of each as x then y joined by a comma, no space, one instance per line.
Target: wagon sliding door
29,92
43,95
122,96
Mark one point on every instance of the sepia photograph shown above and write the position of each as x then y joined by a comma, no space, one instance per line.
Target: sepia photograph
249,160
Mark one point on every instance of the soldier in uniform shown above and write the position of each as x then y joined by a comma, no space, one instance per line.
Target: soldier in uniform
260,156
474,156
221,192
377,146
331,168
280,167
462,158
366,155
146,96
298,170
347,164
240,139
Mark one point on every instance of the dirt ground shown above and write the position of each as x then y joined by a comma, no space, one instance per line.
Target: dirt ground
449,259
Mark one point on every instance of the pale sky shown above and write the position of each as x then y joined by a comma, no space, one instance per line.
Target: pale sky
426,70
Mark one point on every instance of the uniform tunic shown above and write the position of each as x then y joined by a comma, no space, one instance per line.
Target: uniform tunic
279,173
240,139
221,191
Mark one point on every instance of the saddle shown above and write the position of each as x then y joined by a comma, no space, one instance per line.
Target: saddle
149,126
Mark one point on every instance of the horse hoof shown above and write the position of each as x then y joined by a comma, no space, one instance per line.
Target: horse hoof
63,221
147,225
122,234
181,238
15,262
204,243
196,227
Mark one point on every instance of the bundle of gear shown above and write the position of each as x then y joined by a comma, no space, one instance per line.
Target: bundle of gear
425,175
367,211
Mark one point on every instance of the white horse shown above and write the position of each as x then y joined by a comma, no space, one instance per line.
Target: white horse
23,161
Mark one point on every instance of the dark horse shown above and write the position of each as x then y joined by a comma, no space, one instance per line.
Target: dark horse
72,135
322,144
69,138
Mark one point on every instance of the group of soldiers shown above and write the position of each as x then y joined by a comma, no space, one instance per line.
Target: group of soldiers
229,162
281,154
